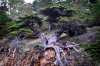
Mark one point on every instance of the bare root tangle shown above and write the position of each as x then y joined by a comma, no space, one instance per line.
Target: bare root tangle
8,59
53,53
26,59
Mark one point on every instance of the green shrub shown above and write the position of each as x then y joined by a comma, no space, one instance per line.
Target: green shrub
22,30
93,50
62,19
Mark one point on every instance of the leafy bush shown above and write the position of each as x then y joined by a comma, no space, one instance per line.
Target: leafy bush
26,24
4,19
93,50
95,7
